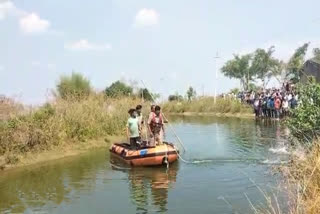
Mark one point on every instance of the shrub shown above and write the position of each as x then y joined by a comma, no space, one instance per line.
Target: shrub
304,123
118,89
74,86
175,97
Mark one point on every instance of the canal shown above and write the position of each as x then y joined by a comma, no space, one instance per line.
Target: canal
232,158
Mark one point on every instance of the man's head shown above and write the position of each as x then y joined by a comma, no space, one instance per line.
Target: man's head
132,112
157,110
153,108
138,109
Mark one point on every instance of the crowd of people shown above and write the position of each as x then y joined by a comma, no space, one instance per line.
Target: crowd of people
137,129
272,103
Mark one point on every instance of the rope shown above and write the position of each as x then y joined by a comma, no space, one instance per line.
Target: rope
166,157
119,167
261,161
183,160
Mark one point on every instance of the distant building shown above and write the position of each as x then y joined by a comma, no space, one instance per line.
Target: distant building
311,69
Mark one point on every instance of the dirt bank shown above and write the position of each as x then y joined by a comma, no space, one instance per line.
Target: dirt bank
67,150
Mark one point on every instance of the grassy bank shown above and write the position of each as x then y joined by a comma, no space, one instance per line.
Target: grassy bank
206,105
64,123
303,181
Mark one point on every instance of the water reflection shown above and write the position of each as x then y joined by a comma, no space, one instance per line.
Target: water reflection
33,187
149,187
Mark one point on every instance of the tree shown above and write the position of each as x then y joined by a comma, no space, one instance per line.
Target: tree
265,65
191,93
234,91
175,97
296,62
240,68
118,89
316,54
253,87
146,94
74,86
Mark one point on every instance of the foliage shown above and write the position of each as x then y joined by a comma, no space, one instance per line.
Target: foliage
235,91
303,175
146,94
265,65
316,54
296,62
240,68
304,123
191,93
253,87
175,97
9,107
65,121
118,89
74,86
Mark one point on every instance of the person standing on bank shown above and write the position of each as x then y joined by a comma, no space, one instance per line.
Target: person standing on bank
133,129
156,127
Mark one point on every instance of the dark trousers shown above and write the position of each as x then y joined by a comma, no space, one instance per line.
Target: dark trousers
135,142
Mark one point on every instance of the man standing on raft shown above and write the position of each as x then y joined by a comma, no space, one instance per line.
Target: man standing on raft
156,127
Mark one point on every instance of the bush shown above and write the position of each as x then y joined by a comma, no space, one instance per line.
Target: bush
304,123
65,121
74,86
146,94
118,89
9,107
175,97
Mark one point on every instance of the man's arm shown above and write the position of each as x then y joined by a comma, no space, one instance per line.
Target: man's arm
127,133
163,130
149,125
139,128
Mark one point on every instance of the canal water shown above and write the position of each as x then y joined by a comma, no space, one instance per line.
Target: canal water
232,158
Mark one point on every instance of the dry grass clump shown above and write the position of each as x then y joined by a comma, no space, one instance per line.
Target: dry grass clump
301,185
64,121
304,180
207,105
9,107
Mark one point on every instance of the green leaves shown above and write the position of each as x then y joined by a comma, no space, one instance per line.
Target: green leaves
296,62
316,54
264,65
74,86
304,123
239,68
191,93
118,89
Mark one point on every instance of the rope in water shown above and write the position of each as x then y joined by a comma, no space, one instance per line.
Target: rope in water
119,167
262,161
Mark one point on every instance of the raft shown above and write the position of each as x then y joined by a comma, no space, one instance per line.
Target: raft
145,156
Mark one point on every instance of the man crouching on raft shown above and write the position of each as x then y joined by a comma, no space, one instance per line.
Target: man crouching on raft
156,127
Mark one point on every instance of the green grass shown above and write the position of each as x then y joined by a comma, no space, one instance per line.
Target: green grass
207,105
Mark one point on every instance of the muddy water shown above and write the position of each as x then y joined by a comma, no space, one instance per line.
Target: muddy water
232,157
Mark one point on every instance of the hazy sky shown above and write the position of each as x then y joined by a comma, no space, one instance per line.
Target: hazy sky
170,44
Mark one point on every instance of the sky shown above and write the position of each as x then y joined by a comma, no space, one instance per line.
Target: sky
169,45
